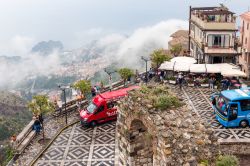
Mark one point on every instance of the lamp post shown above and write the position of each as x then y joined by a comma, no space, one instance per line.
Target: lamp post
146,61
63,88
110,77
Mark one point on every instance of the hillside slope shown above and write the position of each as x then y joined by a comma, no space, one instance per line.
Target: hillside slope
14,114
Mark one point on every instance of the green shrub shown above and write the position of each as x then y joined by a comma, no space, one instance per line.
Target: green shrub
204,163
204,81
227,160
159,90
190,81
166,101
144,89
172,78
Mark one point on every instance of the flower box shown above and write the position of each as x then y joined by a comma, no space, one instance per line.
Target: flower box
205,85
191,85
172,81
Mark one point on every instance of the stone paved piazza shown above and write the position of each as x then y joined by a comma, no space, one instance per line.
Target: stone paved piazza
82,146
198,100
88,146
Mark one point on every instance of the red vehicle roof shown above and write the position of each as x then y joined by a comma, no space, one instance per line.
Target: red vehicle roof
117,93
113,94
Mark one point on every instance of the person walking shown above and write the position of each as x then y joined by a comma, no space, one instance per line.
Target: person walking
37,125
93,92
180,80
211,83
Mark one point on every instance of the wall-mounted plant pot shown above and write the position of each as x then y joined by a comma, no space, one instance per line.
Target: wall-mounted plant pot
172,82
191,85
204,85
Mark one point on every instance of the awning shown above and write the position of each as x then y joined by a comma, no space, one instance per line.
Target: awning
213,68
233,73
183,59
185,67
198,68
226,69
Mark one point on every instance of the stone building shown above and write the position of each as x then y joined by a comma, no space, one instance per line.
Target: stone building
244,59
179,37
151,137
212,35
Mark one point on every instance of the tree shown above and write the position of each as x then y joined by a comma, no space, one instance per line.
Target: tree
158,57
40,105
176,49
125,74
84,86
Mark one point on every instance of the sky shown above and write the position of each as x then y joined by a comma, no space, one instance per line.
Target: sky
23,23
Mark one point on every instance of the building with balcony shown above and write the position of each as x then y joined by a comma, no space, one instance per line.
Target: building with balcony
244,59
212,35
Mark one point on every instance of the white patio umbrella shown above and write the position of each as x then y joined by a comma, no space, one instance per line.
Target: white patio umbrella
183,59
167,66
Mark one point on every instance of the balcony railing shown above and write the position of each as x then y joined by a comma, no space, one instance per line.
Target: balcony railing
214,25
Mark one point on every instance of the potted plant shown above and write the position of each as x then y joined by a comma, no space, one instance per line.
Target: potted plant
204,82
217,85
172,80
190,82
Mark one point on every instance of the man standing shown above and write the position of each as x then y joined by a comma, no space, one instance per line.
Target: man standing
180,80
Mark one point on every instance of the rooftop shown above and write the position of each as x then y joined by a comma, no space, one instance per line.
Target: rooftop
237,94
246,15
212,10
180,33
214,14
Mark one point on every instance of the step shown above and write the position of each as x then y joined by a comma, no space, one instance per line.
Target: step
24,133
26,141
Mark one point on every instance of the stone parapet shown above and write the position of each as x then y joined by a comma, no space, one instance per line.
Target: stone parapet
148,136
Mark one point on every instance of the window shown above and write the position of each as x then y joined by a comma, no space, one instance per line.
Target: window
191,45
245,40
233,111
100,108
91,108
110,105
247,26
216,41
221,105
211,18
245,105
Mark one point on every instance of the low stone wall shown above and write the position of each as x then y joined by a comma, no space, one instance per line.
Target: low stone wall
236,148
147,136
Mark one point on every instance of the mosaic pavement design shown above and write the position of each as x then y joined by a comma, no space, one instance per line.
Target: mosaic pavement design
198,99
78,146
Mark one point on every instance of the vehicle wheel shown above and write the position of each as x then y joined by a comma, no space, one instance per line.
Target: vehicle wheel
93,123
243,123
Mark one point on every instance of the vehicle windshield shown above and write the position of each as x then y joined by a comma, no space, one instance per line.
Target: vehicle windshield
222,104
91,108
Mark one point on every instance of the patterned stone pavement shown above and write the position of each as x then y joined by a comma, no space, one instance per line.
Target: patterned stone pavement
198,99
96,146
82,146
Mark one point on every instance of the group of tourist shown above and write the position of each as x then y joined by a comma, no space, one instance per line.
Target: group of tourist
225,83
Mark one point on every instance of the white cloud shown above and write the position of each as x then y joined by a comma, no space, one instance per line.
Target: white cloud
17,46
141,42
33,64
116,47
